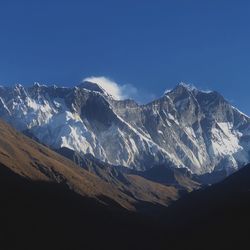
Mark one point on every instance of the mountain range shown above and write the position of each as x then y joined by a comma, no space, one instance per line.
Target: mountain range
49,202
35,162
185,128
82,170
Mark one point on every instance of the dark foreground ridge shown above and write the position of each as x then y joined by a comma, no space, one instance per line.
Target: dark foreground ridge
48,202
42,215
216,217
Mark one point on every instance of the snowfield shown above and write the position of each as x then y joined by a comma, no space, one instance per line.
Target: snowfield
186,127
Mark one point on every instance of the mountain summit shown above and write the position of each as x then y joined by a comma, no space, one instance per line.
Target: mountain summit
186,127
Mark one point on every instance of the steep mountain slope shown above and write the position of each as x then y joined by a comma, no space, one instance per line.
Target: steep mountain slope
219,213
182,179
45,215
33,161
200,130
39,210
185,128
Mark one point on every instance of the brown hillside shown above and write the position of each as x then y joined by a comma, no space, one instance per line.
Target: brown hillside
36,162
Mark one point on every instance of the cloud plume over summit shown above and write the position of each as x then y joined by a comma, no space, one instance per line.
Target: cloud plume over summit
118,91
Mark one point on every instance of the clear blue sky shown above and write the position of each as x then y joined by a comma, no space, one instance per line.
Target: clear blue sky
150,44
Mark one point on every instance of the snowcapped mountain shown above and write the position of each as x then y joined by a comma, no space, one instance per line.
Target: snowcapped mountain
186,127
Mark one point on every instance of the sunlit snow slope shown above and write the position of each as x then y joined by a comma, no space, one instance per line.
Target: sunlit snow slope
184,128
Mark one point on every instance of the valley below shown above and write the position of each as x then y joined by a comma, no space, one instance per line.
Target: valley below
81,170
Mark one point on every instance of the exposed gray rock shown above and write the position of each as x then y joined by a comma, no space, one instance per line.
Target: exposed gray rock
185,128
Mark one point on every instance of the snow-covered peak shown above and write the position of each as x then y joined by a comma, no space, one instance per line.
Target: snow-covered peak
36,84
92,86
18,86
99,88
39,85
19,91
187,87
187,127
192,88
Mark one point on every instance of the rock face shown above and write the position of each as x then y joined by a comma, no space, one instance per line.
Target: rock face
185,128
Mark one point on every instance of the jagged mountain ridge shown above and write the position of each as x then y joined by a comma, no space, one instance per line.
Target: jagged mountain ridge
186,127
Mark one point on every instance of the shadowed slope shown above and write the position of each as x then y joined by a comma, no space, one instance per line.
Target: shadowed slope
36,162
217,216
40,210
47,202
177,177
128,181
45,215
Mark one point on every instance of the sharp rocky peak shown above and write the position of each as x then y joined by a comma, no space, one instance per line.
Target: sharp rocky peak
188,88
203,97
91,86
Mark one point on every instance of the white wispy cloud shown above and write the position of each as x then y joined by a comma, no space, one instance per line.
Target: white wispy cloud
118,91
122,91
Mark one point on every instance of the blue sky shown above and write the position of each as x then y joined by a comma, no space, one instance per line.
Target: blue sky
150,45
